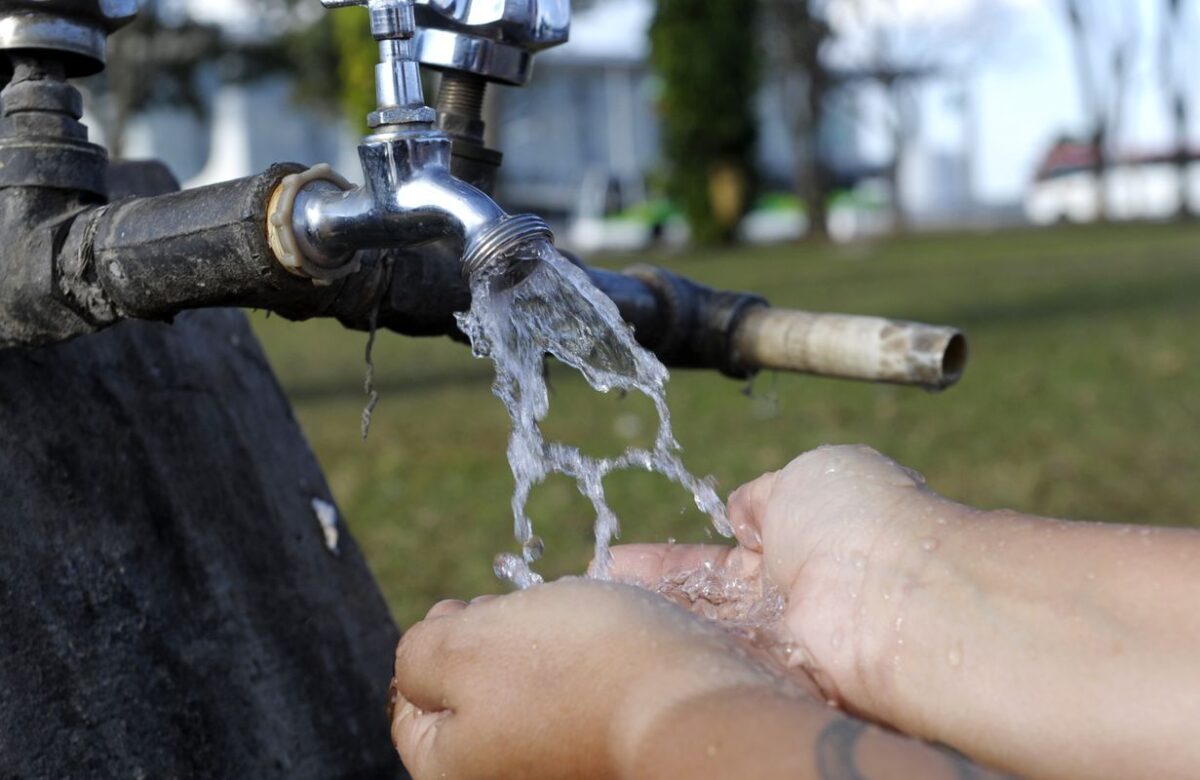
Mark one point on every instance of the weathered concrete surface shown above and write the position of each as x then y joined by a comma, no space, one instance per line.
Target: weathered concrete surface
168,607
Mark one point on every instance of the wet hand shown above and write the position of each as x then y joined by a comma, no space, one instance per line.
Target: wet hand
561,680
831,532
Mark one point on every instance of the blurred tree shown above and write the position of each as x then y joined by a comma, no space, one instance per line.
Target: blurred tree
897,46
796,32
356,53
705,51
1104,35
331,54
1174,51
160,58
154,61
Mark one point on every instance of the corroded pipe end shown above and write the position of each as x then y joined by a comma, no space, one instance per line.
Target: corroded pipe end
491,249
850,347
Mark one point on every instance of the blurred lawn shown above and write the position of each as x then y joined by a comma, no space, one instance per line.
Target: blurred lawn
1081,399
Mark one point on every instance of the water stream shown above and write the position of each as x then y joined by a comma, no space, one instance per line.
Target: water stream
557,311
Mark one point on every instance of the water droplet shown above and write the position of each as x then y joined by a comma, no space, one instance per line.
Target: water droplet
954,656
533,549
515,571
836,639
859,561
930,543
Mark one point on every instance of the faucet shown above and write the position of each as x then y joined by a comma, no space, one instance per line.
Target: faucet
91,243
409,197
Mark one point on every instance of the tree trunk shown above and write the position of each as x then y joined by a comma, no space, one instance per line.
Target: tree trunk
1100,173
813,179
1183,156
895,173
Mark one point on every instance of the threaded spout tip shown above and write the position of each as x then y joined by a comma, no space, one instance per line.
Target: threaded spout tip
492,249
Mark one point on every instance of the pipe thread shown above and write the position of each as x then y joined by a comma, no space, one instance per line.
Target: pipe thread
501,237
462,94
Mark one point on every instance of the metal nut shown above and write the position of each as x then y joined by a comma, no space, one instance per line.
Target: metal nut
401,116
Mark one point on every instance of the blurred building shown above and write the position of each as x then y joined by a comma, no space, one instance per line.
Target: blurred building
248,127
580,142
1136,186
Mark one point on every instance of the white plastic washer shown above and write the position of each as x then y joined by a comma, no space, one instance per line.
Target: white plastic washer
282,237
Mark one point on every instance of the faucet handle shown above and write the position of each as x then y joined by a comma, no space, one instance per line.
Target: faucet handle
398,94
391,20
493,39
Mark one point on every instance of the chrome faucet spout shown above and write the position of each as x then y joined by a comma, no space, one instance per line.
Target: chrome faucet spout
409,197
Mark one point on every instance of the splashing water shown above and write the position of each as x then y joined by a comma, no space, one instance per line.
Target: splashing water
557,311
746,606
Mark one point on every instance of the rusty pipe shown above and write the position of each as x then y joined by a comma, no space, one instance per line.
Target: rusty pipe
850,347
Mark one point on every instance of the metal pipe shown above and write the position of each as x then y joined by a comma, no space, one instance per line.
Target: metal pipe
841,345
151,258
636,301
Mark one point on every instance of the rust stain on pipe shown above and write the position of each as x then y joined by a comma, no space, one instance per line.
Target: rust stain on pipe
851,347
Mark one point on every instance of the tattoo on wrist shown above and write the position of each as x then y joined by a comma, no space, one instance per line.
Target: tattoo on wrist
835,750
838,742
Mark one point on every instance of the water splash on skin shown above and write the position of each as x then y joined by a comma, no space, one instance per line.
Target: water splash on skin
557,311
748,607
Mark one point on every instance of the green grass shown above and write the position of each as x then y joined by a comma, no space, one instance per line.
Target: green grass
1081,399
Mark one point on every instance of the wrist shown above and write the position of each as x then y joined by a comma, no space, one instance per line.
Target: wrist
693,676
856,597
729,732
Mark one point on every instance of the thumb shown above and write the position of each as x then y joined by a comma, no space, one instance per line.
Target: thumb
415,735
747,507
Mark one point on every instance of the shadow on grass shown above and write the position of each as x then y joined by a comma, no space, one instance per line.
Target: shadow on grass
1144,296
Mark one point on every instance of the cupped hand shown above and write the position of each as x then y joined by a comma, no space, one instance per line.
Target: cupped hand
832,533
561,680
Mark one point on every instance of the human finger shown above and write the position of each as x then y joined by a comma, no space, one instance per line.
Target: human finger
416,735
422,670
650,564
445,607
747,505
